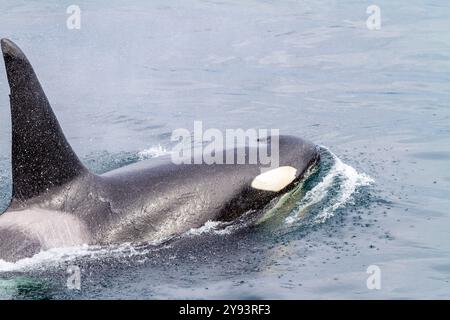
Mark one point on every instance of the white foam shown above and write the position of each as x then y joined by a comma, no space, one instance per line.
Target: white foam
216,227
153,152
349,180
57,256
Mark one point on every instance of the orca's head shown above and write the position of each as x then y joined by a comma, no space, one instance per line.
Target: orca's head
289,158
279,169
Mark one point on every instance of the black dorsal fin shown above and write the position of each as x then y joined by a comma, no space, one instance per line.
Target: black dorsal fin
41,156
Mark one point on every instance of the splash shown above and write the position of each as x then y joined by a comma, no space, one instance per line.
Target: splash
153,152
342,181
216,227
60,256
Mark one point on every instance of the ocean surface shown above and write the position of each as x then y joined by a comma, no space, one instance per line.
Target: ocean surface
376,101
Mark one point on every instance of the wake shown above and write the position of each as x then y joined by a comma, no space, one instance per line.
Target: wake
342,182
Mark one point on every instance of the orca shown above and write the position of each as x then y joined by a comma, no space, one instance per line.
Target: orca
57,202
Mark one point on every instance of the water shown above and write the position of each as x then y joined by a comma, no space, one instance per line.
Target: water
378,100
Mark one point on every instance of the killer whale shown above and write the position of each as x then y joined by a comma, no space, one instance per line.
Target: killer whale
56,201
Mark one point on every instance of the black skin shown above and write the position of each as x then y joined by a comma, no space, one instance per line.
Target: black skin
141,202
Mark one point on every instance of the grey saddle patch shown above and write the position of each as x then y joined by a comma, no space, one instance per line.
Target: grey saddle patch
49,229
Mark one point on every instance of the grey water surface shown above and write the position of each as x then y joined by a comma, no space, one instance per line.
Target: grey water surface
377,100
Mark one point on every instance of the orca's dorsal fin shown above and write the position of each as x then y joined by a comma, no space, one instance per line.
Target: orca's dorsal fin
41,156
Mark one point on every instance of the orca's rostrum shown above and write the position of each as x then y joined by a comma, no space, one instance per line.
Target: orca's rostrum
57,202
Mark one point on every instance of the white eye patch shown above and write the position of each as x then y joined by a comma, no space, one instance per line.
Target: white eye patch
275,179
